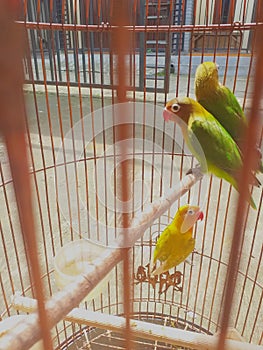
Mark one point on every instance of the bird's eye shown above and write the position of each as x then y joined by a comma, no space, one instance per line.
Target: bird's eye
175,107
190,212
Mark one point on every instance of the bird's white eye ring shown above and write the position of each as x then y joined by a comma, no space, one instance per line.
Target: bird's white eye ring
190,212
175,107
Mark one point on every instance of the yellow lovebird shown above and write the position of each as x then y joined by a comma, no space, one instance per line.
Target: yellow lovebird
176,241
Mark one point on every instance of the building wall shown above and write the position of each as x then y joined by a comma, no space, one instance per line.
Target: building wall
243,12
204,12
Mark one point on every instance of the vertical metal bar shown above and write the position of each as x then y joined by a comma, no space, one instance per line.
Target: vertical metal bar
133,83
158,14
56,72
214,229
257,313
246,278
249,163
142,45
11,225
90,75
190,56
5,249
82,50
204,33
13,129
71,121
146,13
81,115
95,152
167,78
252,295
253,46
156,39
47,12
145,10
51,135
92,52
35,176
104,135
120,46
41,218
238,60
57,18
199,283
75,39
4,294
217,16
168,49
114,136
220,248
32,36
31,76
179,36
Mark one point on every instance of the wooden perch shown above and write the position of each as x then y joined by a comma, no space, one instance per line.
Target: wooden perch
141,329
61,303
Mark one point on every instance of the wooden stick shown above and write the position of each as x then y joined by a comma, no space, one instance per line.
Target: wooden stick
140,329
61,303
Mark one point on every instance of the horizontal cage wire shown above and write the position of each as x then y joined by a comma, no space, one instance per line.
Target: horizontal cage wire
106,176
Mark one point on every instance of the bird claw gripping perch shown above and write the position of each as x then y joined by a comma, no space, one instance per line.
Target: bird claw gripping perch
196,171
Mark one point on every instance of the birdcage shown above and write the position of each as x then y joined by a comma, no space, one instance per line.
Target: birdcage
91,175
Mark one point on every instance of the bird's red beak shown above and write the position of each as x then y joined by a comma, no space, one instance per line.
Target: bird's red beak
166,115
200,216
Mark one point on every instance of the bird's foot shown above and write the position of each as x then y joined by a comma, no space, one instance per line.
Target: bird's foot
196,171
189,262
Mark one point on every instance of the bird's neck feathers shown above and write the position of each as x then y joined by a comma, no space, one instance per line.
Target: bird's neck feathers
191,110
178,221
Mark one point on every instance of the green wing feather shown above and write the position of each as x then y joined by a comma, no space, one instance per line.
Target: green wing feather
221,152
234,107
224,106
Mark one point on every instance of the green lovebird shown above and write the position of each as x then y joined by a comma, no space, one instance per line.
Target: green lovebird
221,155
220,101
176,243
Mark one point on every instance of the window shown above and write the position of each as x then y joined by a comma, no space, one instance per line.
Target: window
224,11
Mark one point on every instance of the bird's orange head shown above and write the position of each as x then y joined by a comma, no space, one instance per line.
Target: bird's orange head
181,108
